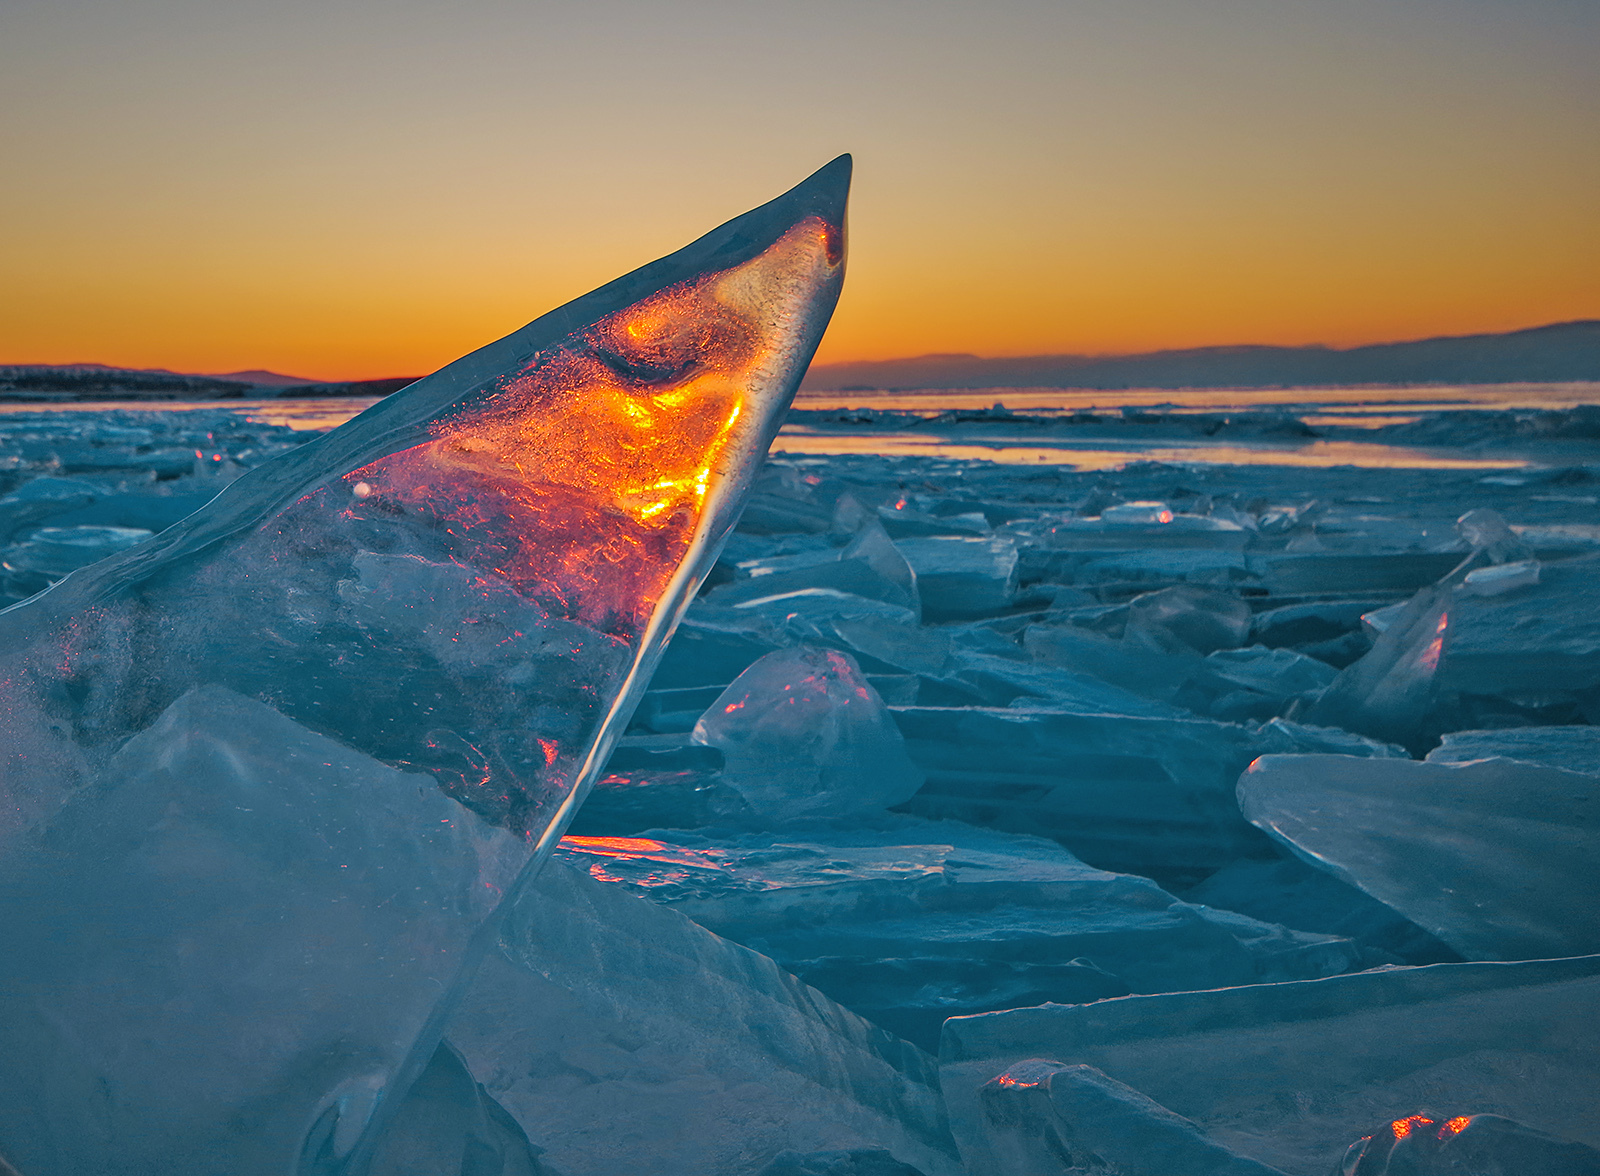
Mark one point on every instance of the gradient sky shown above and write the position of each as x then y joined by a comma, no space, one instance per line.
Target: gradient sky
370,188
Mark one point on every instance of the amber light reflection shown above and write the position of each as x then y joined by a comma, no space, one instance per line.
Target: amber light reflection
674,861
622,847
1404,1127
585,478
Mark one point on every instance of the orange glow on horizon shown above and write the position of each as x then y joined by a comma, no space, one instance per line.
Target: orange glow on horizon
1162,282
1034,179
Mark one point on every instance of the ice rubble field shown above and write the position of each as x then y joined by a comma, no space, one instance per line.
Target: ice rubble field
1238,811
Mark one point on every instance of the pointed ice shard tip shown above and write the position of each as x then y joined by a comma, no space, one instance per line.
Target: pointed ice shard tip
822,195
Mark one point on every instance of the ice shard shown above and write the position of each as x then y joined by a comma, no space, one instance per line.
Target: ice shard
267,777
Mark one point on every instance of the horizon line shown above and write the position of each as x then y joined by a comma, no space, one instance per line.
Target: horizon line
932,355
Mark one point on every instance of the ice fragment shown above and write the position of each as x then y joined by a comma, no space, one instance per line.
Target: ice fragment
1576,748
1502,578
624,1038
959,577
803,734
911,922
1417,1145
1186,617
448,1125
1495,857
1042,1117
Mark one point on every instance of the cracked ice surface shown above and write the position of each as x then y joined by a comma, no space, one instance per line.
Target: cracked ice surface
1077,661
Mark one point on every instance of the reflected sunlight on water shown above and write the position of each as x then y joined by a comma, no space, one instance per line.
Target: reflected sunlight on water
1096,455
1372,405
1318,407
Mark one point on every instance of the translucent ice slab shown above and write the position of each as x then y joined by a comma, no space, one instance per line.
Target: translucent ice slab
909,922
1041,1115
627,1041
216,745
1419,1146
804,735
1494,856
1288,1074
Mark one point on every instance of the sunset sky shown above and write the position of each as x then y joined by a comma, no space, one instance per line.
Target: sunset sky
372,188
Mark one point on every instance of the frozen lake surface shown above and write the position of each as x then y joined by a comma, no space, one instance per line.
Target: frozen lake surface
1225,761
1094,429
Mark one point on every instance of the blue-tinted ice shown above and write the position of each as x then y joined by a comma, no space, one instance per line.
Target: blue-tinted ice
267,778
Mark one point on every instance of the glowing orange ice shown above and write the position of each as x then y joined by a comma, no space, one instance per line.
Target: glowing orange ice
1404,1127
585,478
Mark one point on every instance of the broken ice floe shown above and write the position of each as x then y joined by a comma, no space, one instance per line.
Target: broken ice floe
1576,748
1287,1075
275,910
1519,647
803,734
1417,1145
622,1036
1041,1118
909,922
1497,857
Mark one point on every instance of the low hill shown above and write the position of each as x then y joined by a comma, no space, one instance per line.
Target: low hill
1556,353
46,383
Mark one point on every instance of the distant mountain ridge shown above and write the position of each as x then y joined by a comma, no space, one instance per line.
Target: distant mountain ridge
264,379
1556,353
45,383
